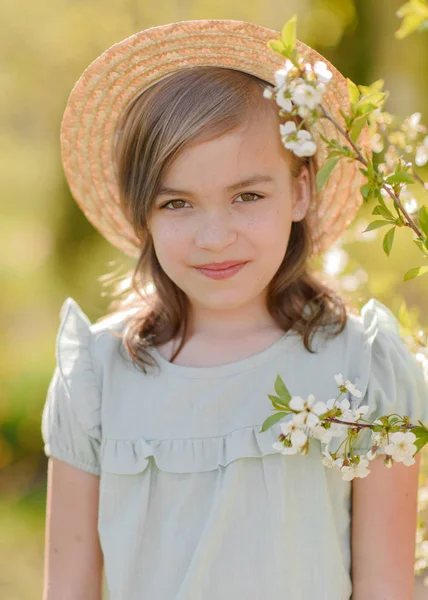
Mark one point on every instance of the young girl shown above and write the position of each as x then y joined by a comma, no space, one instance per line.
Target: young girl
158,471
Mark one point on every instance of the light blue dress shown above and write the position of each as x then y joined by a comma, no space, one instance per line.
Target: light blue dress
194,501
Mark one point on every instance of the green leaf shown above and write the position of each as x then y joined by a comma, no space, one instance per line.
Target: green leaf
324,139
419,431
334,153
376,225
354,93
324,172
281,389
376,99
370,171
423,219
365,189
277,46
383,212
414,14
376,86
388,240
416,272
288,33
294,57
272,420
422,244
422,439
400,177
278,402
357,127
366,108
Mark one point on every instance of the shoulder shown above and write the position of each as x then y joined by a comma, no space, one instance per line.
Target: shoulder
78,335
85,352
372,323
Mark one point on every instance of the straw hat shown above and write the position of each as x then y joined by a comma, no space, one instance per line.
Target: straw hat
130,66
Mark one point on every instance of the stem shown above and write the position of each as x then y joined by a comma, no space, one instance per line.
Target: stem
361,158
343,441
359,425
328,116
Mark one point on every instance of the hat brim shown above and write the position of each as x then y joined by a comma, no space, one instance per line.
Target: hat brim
114,79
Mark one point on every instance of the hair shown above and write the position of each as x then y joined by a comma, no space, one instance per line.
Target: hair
190,106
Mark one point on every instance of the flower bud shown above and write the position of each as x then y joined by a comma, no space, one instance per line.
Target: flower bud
388,462
371,454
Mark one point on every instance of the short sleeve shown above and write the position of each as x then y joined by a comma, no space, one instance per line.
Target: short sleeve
71,424
391,379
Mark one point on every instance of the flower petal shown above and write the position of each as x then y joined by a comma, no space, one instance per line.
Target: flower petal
297,403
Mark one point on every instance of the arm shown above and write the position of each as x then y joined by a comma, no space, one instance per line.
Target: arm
384,518
73,557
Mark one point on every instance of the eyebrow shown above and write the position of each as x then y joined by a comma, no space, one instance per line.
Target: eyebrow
168,191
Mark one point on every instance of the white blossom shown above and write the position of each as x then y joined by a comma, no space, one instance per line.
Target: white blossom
402,447
308,408
283,102
414,120
371,455
376,142
388,462
306,95
293,429
411,205
287,450
268,93
348,414
287,128
348,385
281,75
412,125
421,157
331,462
321,71
321,88
300,142
360,411
355,470
308,68
303,111
325,435
303,145
379,439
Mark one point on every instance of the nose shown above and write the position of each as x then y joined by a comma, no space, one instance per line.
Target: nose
215,232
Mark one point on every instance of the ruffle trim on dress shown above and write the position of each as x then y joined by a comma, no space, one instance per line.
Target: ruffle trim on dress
191,455
75,364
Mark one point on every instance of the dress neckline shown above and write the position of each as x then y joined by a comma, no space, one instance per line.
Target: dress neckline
284,343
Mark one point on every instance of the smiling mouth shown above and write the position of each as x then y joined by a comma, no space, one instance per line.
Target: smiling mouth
221,273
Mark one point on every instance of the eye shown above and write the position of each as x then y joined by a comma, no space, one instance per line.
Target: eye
250,194
170,202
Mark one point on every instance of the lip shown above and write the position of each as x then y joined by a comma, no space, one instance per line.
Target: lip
221,273
221,265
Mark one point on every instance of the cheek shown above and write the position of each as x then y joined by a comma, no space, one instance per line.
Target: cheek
170,242
270,230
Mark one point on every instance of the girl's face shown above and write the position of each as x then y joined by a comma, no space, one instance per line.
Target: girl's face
230,198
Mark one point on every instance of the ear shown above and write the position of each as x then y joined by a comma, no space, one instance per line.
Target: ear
301,194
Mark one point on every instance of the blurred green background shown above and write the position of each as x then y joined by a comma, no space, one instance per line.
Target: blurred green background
48,250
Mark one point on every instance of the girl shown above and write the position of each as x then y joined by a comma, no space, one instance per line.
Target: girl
158,471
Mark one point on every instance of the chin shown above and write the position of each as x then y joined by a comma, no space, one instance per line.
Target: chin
219,302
